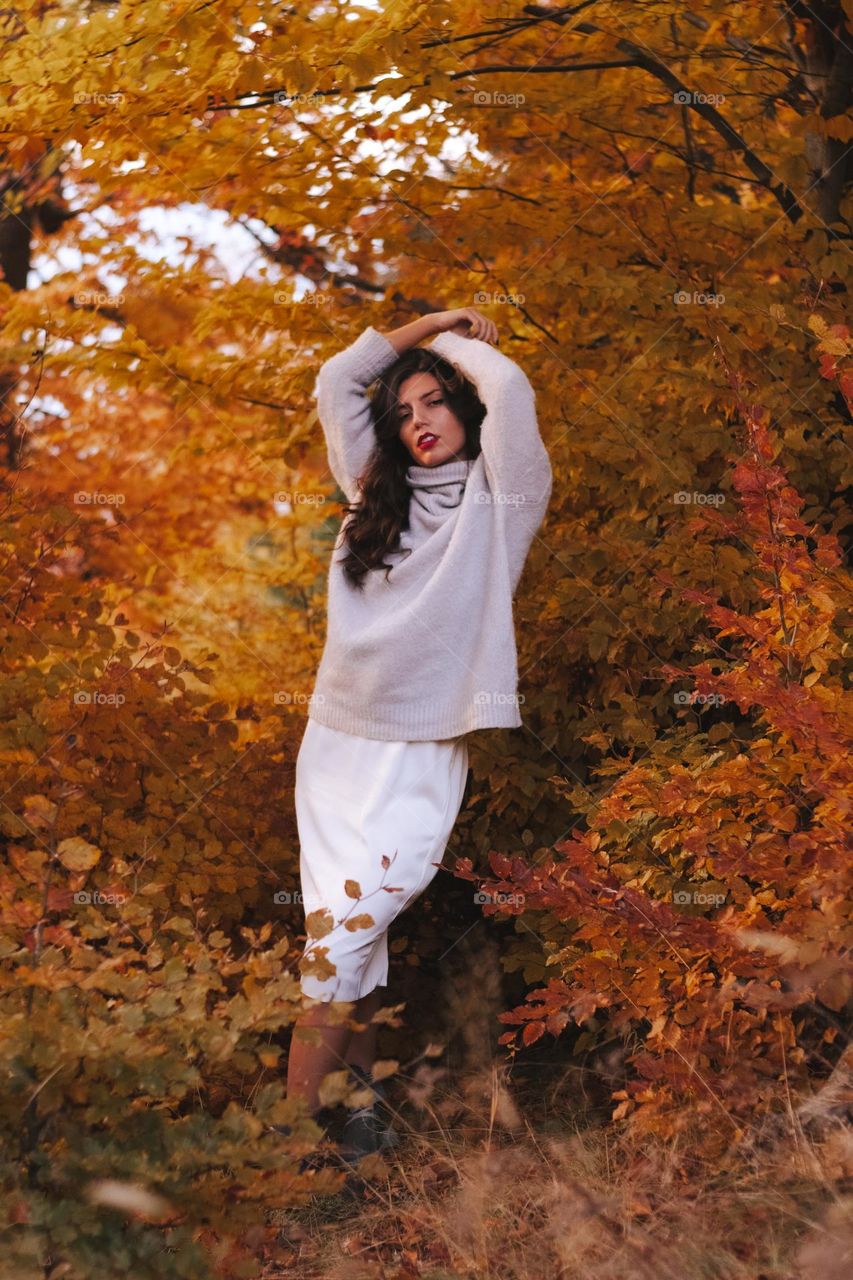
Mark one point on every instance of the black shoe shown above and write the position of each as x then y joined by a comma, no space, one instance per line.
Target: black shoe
367,1130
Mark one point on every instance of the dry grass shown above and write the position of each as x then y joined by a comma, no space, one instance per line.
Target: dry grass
527,1182
506,1203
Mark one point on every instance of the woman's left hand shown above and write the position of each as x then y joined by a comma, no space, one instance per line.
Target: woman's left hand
468,322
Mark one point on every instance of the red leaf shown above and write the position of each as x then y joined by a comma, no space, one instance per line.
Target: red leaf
532,1032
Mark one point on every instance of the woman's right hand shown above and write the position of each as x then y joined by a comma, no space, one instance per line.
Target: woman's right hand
466,321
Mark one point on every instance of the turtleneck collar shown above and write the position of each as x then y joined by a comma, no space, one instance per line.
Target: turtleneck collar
446,473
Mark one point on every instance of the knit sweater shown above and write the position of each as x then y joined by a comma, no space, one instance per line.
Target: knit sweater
430,653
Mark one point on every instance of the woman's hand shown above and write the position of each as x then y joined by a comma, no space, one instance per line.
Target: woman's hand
466,321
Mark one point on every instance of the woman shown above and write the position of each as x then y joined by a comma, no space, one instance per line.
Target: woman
447,481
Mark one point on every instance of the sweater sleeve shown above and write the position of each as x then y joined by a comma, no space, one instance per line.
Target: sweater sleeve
518,469
344,409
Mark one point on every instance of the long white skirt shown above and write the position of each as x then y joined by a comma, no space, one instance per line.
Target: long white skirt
360,802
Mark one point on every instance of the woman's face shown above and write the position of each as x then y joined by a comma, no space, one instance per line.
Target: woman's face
428,428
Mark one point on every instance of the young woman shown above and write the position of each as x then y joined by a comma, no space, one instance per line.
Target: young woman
447,482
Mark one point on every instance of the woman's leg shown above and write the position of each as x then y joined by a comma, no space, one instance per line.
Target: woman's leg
322,1043
318,1046
362,1045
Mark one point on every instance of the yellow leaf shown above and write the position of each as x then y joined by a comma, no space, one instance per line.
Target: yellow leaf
319,923
77,854
334,1087
359,922
39,811
384,1067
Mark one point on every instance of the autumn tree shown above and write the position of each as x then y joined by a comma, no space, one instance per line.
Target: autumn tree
647,201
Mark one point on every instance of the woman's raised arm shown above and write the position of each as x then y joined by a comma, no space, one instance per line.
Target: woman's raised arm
517,465
344,409
509,435
465,320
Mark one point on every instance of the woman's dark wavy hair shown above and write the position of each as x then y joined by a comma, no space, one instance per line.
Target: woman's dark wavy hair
374,524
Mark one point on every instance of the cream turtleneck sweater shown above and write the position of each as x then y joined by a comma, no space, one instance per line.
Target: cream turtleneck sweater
430,653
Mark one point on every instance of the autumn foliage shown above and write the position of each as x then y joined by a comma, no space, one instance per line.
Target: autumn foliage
705,907
199,205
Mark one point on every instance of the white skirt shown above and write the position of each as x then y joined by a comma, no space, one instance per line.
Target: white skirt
360,801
